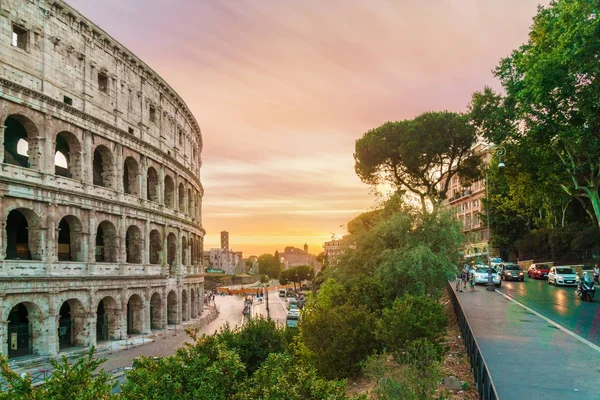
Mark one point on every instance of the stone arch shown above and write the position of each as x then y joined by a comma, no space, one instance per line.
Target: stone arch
171,251
25,330
169,192
152,185
107,319
156,321
183,250
134,243
20,143
72,330
184,305
23,238
155,247
192,250
67,149
135,314
172,308
131,177
193,303
103,167
70,239
190,210
107,242
181,193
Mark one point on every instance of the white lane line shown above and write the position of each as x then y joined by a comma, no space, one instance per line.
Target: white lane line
548,320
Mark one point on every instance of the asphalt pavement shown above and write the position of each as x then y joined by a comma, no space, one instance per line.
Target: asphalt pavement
529,352
277,307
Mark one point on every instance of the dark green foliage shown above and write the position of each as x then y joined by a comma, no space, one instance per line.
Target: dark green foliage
269,265
340,337
78,381
281,378
412,318
258,338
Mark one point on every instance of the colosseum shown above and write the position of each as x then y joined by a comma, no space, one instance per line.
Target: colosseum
100,196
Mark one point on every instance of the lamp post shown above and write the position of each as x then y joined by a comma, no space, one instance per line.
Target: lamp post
500,151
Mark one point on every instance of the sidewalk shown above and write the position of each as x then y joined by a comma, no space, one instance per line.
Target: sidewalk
528,356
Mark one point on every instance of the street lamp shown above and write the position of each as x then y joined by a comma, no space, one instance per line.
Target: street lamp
501,152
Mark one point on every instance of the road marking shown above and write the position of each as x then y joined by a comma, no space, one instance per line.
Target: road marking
555,324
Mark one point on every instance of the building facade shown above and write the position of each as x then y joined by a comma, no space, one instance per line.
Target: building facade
100,197
335,248
293,257
225,261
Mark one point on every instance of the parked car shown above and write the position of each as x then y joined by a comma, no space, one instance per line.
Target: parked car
481,275
292,303
495,262
292,319
511,272
562,276
282,293
538,271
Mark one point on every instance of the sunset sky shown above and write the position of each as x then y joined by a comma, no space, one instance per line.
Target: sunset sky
283,88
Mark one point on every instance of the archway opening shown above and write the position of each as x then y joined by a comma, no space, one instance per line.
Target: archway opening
152,185
103,168
192,251
17,134
70,239
169,192
134,244
131,181
17,236
171,250
184,259
190,210
184,305
193,303
171,308
156,312
135,314
24,330
71,325
107,320
67,156
106,242
181,191
155,247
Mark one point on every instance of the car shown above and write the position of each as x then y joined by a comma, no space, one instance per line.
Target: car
292,319
562,276
292,303
511,272
282,293
495,262
538,271
481,275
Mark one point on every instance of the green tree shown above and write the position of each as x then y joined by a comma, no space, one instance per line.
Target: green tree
268,265
339,338
419,155
552,93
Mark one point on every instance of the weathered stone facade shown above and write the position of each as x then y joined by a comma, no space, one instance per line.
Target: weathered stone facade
100,193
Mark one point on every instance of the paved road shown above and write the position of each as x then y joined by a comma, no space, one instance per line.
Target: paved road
277,307
528,356
230,311
560,304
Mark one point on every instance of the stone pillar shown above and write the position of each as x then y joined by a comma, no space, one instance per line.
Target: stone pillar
119,168
49,331
178,266
201,305
161,185
4,335
88,160
49,150
123,316
51,242
146,317
143,177
163,308
146,251
92,318
2,228
163,253
179,306
2,129
91,256
122,251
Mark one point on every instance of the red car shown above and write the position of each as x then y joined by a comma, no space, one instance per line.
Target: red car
538,271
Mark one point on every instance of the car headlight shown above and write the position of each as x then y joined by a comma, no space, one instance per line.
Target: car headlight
520,273
558,277
508,273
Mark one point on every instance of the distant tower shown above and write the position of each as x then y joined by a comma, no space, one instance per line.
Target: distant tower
225,240
305,253
305,248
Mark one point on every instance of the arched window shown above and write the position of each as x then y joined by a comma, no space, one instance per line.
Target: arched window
67,156
134,244
181,197
171,250
155,247
18,134
106,243
103,167
23,235
183,250
70,239
190,209
131,173
169,192
152,185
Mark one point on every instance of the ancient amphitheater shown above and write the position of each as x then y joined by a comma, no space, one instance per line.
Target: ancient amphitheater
100,193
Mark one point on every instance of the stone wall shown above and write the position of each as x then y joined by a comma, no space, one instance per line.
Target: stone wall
100,194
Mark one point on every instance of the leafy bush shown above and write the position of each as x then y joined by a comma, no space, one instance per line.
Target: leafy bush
279,377
340,338
413,318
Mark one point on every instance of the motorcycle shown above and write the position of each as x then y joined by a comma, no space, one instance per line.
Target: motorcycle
586,290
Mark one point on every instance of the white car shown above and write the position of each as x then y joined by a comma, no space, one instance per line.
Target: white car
562,276
481,275
495,262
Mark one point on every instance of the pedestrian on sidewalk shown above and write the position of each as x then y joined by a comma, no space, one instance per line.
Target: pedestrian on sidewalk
472,281
596,273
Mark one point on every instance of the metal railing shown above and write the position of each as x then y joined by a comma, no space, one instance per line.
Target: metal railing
483,379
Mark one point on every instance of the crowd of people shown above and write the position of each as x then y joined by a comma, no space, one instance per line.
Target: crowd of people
463,277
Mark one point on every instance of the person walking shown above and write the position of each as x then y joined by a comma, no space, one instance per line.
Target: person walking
472,281
596,273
